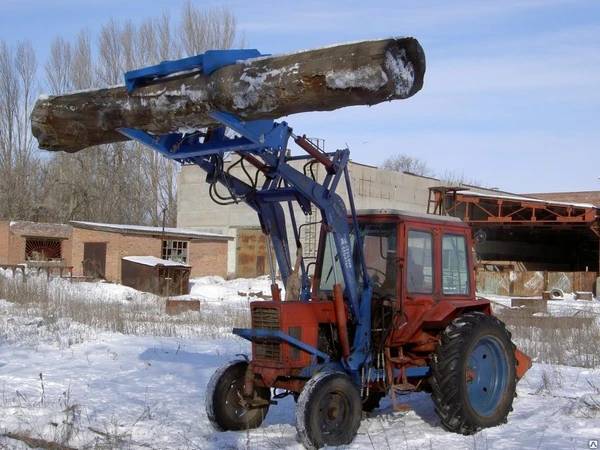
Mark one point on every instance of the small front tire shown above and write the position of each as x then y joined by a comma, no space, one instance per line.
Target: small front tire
329,410
226,407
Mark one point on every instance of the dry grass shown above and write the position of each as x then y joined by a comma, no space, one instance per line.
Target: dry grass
569,340
56,312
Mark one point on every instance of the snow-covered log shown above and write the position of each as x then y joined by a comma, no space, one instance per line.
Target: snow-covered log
323,79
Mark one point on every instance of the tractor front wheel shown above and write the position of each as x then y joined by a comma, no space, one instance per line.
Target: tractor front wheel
473,373
329,410
226,406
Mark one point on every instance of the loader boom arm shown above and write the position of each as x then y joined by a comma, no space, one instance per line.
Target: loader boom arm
263,144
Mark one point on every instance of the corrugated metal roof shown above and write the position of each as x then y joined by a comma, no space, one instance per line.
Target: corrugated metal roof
37,229
140,229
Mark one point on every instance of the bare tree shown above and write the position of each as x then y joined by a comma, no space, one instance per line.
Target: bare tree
212,29
83,74
453,177
407,163
19,166
58,67
125,182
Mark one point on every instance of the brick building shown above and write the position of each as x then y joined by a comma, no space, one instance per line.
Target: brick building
591,197
96,249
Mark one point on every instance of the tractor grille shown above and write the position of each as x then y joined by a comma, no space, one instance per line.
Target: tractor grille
265,318
267,350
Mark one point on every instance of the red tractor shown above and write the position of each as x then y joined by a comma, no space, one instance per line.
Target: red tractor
422,329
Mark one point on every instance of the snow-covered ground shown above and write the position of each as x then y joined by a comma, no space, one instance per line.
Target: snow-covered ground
79,386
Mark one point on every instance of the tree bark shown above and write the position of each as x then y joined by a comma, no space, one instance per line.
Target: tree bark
323,79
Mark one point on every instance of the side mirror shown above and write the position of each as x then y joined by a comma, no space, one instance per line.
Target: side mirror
480,236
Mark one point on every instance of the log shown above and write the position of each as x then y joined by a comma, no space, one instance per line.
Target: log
323,79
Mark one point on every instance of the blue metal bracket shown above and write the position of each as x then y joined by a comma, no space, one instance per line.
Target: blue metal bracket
208,62
248,334
256,137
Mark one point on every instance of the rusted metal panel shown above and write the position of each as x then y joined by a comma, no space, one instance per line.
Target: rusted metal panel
493,283
527,284
533,283
560,280
251,253
584,281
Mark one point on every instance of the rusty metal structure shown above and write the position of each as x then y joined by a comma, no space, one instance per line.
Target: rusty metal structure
539,234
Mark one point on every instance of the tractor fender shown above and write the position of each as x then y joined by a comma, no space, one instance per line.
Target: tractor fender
445,311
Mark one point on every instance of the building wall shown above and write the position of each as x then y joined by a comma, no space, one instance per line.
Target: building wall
117,246
208,258
16,249
12,246
4,242
66,251
373,188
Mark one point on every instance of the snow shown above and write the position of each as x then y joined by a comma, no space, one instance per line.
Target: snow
529,199
80,385
370,78
251,61
403,73
146,229
153,261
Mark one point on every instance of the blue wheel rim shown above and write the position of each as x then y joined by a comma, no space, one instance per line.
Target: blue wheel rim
487,375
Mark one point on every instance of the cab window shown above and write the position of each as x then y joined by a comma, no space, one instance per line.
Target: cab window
456,279
419,262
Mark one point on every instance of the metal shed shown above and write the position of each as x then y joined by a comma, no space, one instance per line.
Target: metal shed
155,275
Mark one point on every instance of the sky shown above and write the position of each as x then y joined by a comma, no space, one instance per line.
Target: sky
70,383
510,98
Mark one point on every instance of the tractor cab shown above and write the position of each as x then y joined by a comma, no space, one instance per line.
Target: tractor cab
408,256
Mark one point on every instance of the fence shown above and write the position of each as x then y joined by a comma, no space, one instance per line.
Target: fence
533,283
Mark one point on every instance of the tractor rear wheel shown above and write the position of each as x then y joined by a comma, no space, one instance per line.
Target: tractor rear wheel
473,373
226,407
329,410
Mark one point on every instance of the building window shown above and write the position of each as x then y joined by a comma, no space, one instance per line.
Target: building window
175,251
42,250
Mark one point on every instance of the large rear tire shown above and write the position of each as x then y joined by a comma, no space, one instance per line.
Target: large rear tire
329,410
473,373
226,407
